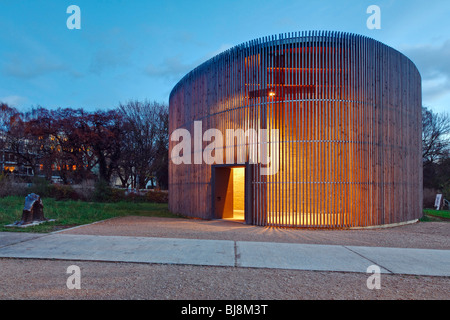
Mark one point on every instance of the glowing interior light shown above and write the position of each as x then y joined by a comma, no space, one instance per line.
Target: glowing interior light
271,93
238,193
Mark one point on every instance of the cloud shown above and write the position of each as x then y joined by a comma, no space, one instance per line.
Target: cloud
175,67
112,53
170,68
14,101
433,63
30,67
185,37
110,49
104,60
435,89
222,48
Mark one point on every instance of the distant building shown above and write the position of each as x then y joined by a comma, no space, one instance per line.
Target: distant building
11,162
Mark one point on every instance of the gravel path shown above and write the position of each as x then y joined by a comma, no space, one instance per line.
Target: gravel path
426,235
45,279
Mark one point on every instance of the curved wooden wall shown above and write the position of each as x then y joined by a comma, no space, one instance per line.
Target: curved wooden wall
348,109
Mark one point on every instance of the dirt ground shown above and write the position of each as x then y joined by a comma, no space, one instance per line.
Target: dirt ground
46,279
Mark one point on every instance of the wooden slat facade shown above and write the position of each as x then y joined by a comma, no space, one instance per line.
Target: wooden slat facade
348,111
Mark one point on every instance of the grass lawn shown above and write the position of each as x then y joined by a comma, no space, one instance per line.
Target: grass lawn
71,213
435,215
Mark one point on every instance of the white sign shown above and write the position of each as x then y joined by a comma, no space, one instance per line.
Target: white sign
437,202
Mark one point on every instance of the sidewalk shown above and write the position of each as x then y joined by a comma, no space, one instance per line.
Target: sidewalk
245,254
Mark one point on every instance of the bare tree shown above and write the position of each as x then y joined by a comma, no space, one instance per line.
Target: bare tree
435,135
8,116
161,162
143,129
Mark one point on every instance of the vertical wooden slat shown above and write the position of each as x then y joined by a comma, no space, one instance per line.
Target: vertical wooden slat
350,149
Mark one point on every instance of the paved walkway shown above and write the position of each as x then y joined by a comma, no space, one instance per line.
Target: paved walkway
228,253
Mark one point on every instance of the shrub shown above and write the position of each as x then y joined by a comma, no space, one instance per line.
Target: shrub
157,196
5,184
102,191
63,192
41,187
85,190
8,187
117,195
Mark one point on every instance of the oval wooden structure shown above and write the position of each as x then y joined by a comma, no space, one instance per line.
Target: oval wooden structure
347,110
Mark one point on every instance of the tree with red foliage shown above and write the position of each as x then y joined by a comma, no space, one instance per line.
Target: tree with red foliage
77,141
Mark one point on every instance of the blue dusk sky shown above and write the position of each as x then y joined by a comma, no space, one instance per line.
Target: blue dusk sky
141,49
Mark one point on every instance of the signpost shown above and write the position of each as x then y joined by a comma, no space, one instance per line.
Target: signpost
438,201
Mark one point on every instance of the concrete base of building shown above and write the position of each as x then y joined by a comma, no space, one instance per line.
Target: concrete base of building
390,225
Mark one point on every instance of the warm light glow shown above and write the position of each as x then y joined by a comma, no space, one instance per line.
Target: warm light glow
10,169
238,193
338,149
